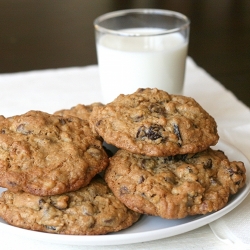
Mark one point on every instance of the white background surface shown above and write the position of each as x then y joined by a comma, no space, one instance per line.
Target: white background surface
50,90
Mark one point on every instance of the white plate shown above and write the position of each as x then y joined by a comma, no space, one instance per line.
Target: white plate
148,228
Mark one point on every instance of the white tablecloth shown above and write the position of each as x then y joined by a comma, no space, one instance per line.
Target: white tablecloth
54,89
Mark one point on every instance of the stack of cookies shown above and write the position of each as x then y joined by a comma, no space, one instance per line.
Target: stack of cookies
60,179
49,165
165,165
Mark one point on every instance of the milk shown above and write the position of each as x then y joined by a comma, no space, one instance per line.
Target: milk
128,63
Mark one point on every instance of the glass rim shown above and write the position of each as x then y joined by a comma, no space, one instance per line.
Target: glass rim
147,11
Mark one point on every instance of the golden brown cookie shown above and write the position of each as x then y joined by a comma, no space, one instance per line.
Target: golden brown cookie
81,111
152,122
46,154
176,186
90,210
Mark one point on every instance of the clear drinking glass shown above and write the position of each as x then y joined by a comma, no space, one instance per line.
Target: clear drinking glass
140,48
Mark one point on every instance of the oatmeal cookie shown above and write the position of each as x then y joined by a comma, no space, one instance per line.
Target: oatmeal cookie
90,210
81,111
46,154
176,186
154,123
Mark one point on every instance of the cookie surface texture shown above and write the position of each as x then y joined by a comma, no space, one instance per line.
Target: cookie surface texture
81,111
177,186
91,210
154,123
46,154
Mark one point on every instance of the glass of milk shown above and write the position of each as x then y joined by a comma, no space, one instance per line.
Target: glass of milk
140,48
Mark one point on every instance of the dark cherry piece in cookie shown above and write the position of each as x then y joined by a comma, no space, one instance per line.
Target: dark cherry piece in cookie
154,123
176,186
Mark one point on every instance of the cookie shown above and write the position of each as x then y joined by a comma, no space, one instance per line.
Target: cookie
176,186
152,122
81,111
91,210
45,154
